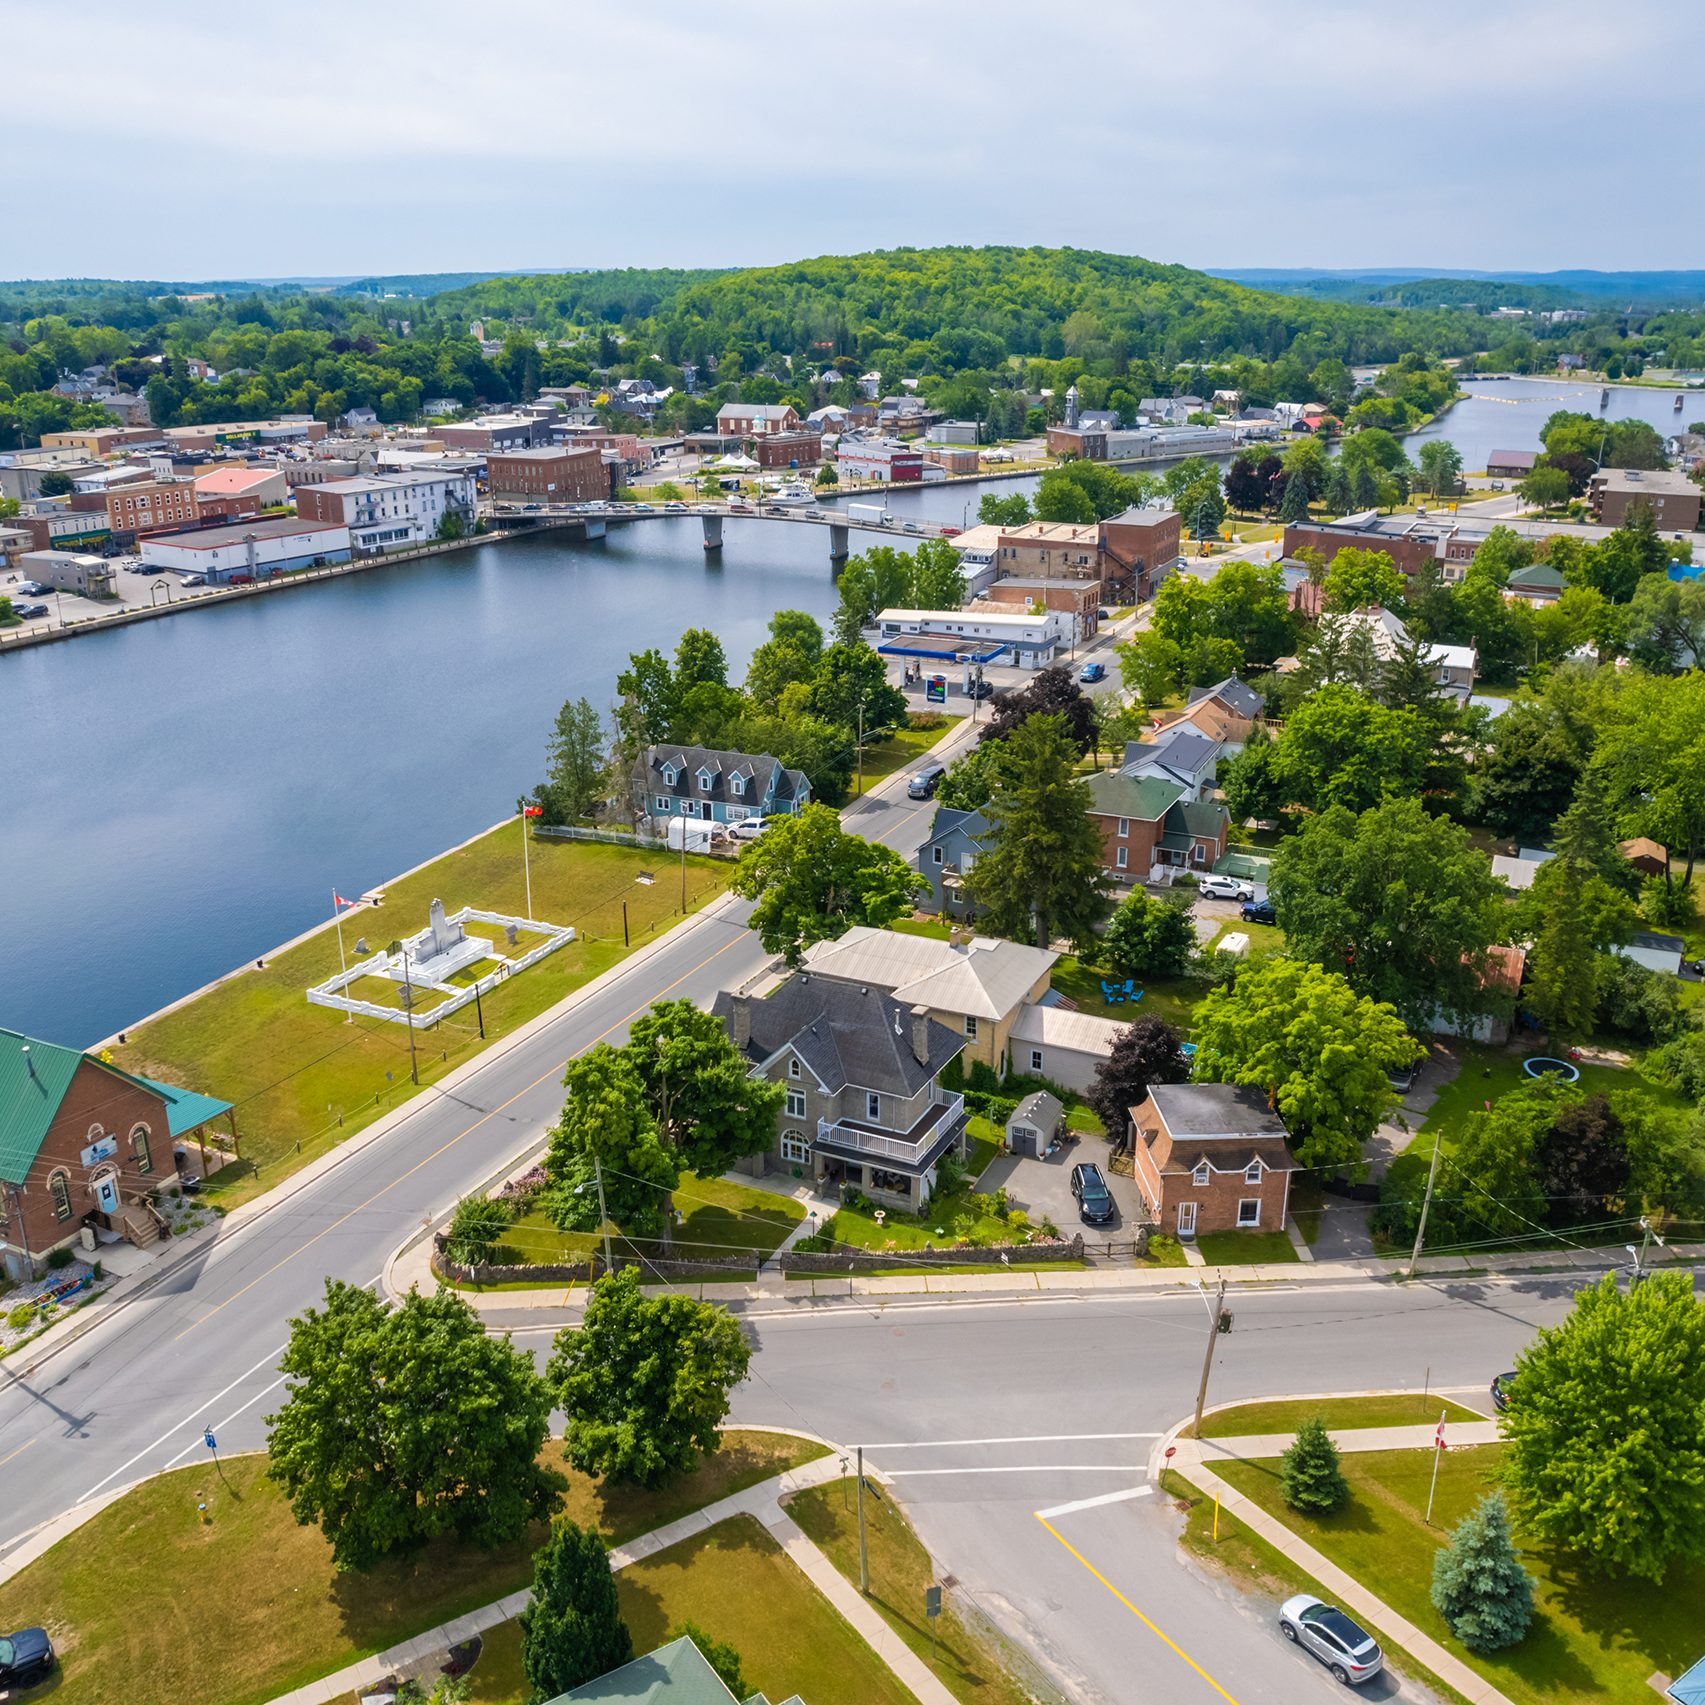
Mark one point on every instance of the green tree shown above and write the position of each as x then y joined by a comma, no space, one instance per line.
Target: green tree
1319,1051
1545,487
1582,1163
1441,466
645,1381
572,1630
1397,900
936,580
998,509
708,1108
1479,1585
1310,1479
1149,937
850,683
699,661
1340,748
607,1129
649,700
1651,752
1149,666
577,768
1293,507
403,1425
1666,622
1251,783
1306,458
1527,772
1357,579
874,580
476,1228
1040,873
1605,1434
811,881
1143,1054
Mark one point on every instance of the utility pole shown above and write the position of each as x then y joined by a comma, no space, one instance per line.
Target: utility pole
863,1542
408,1012
1426,1203
1644,1249
1216,1313
603,1212
861,748
479,1008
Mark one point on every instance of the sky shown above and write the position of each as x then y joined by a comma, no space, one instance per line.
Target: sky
182,142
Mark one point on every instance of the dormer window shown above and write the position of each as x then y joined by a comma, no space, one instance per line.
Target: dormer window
704,781
1200,1176
1252,1172
738,784
668,775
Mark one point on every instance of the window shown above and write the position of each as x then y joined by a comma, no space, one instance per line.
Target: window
971,1025
59,1188
796,1104
938,855
873,1107
1252,1172
1121,858
668,775
796,1147
1124,827
1249,1211
793,1068
1201,1174
704,781
738,783
1036,1059
139,1146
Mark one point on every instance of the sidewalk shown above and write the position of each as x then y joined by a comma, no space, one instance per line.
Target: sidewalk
762,1502
1192,1459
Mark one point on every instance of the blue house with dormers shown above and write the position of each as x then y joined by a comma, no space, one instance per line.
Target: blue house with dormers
721,787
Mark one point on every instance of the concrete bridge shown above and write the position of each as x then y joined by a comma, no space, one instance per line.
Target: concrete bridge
593,521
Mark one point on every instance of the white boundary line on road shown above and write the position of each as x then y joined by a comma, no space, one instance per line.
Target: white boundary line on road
1016,1468
1095,1503
1016,1439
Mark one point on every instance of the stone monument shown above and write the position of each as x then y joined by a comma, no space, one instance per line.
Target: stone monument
439,951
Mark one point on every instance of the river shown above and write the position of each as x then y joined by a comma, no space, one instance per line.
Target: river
185,794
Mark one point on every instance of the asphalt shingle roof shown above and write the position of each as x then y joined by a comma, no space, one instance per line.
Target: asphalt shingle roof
847,1035
1146,799
987,976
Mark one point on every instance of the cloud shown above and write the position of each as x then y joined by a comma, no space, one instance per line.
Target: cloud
383,137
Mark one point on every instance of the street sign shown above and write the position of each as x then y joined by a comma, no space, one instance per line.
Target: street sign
932,1601
208,1439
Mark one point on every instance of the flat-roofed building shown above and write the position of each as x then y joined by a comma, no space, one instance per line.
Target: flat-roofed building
559,473
232,493
1672,500
150,506
386,512
248,550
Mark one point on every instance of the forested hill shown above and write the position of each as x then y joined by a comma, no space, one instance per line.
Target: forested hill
951,309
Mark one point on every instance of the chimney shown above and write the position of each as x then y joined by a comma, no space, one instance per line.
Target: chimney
740,1020
920,1034
953,937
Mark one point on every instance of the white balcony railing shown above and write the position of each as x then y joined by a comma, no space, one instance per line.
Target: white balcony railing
909,1149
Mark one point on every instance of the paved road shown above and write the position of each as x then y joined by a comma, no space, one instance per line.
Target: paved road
988,1412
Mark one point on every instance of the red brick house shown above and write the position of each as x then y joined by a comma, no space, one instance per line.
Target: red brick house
1147,822
83,1143
1211,1157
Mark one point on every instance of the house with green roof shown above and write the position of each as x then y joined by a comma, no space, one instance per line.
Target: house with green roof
1152,824
84,1145
676,1674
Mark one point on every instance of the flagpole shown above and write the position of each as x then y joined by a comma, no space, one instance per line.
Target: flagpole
1438,1451
526,868
342,963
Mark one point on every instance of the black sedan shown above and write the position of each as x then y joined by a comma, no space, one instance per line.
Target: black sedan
25,1657
1094,1199
1259,912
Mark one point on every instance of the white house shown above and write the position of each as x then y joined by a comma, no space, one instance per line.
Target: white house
1655,952
1034,638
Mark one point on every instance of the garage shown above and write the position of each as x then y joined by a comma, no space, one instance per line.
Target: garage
1033,1125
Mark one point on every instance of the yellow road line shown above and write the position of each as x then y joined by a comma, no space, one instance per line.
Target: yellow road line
443,1148
1160,1634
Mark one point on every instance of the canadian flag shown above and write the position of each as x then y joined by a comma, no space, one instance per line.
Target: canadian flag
1439,1436
338,900
532,810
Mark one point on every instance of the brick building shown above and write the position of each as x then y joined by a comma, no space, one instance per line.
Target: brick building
1211,1157
232,494
1079,599
756,420
83,1143
494,433
560,474
1138,549
880,460
1672,500
801,449
152,506
1150,823
1050,550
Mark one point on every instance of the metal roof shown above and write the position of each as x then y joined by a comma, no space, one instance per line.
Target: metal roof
985,977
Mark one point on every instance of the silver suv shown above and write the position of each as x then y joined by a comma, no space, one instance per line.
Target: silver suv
1350,1652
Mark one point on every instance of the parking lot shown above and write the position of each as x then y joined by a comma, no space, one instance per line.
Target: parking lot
1043,1188
136,591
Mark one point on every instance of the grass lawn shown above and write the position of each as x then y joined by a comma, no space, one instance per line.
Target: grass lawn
255,1608
969,1661
1263,938
1285,1416
1595,1638
1173,998
1164,1250
738,1585
721,1218
302,1078
902,749
1245,1248
952,1216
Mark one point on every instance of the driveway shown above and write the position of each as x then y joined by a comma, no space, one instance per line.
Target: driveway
1043,1189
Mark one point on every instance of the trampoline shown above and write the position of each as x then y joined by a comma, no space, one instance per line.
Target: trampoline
1543,1065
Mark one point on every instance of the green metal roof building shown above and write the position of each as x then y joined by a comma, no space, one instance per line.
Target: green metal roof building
676,1674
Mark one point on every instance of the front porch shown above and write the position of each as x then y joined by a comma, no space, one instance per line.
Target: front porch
895,1169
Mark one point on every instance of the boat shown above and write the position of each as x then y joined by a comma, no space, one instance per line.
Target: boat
793,495
1604,397
1678,402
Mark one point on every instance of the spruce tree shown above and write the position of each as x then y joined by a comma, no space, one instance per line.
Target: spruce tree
1309,1476
1294,508
573,1631
1479,1585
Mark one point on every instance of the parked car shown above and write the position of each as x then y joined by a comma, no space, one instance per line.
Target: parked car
748,828
1403,1081
193,580
1348,1650
981,689
1094,1199
29,612
1259,912
1092,672
1501,1391
25,1657
924,782
1225,888
674,507
241,580
34,588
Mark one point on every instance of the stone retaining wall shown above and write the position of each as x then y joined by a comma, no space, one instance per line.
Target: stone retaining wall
869,1260
584,1272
